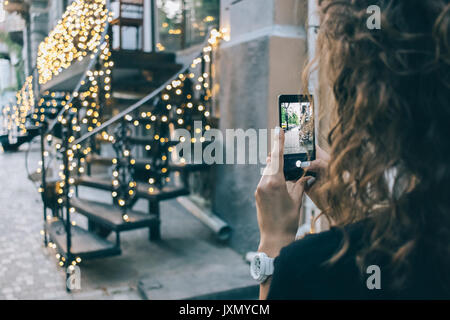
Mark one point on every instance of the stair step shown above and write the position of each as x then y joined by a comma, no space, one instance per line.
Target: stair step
27,137
101,183
137,84
32,128
179,167
123,95
84,244
167,192
122,21
142,162
130,59
149,141
142,189
107,161
188,167
95,159
111,216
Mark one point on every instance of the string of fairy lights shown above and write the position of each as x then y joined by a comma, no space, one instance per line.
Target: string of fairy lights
186,99
74,37
15,116
25,103
82,114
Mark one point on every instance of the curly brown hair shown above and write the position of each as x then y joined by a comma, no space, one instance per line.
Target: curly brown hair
390,141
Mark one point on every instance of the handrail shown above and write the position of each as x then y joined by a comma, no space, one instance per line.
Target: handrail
83,77
130,108
139,103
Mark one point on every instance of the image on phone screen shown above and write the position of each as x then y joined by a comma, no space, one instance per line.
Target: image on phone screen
297,121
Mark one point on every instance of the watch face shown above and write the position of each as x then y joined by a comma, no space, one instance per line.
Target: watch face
258,264
255,269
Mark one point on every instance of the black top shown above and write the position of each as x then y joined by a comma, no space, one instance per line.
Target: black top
300,272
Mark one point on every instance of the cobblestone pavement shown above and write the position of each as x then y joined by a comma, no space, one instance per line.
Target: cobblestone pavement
28,270
187,262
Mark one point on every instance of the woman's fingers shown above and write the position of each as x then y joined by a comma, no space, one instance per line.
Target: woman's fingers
321,162
300,184
275,163
317,165
278,149
296,188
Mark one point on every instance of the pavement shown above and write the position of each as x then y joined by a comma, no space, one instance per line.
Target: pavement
292,144
187,263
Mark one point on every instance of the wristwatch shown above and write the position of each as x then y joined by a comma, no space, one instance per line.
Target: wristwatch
261,267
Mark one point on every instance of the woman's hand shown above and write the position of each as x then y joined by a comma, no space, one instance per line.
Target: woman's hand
278,202
313,187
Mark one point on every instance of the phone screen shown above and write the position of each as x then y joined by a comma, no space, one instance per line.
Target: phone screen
297,121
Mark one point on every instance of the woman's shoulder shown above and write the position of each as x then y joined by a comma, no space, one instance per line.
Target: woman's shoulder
320,247
302,267
311,249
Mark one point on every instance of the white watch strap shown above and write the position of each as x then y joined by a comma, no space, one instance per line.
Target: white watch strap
264,270
269,266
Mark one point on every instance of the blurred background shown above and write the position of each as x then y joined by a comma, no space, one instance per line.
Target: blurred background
91,92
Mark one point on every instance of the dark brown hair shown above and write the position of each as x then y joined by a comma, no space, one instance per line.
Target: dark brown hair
390,141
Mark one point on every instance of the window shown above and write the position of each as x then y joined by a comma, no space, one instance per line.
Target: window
184,23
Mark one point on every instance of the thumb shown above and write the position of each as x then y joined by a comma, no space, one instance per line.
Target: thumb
300,184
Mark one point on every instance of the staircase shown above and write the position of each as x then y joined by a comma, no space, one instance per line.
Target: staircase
47,108
107,122
106,117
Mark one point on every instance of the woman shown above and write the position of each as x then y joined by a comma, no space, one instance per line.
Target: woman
385,187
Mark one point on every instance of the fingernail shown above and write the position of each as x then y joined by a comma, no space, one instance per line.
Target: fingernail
305,164
310,182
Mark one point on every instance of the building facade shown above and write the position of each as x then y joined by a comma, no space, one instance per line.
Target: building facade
263,58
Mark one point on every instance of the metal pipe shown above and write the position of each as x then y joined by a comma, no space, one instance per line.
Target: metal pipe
153,25
313,27
27,36
220,228
68,225
183,24
43,183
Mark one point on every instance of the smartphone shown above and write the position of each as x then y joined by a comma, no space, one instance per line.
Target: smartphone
297,121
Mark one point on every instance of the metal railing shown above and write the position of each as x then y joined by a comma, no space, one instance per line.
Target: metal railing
65,136
84,76
67,132
139,103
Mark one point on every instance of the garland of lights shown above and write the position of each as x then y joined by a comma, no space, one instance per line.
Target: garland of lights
86,105
15,116
186,99
124,186
25,103
75,36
